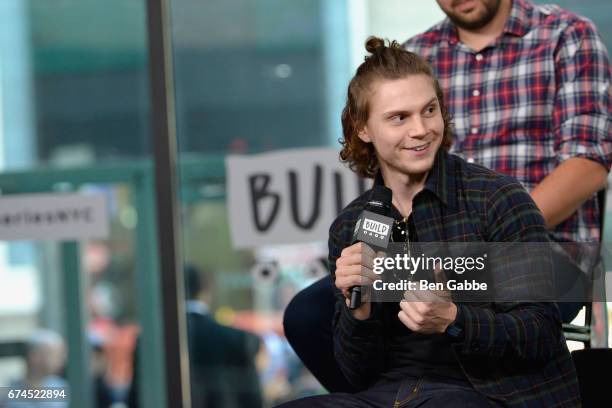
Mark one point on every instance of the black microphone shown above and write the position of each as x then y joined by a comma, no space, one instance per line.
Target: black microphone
373,227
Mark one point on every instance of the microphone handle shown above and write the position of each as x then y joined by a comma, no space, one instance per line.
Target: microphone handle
355,297
355,291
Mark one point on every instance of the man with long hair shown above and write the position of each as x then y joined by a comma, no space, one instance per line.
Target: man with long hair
422,352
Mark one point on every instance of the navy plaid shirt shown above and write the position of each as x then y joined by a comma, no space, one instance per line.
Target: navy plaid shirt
538,95
512,352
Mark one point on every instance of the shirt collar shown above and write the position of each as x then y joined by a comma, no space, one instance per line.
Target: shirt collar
519,20
448,32
440,180
437,177
518,23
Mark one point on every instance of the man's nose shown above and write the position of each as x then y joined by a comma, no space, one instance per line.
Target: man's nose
417,127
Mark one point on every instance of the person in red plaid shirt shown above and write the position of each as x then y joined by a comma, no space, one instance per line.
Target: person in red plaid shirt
528,88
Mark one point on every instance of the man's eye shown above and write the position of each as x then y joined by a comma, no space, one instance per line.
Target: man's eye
397,118
431,110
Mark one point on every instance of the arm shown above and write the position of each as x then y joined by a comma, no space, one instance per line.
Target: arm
528,331
358,341
581,124
564,190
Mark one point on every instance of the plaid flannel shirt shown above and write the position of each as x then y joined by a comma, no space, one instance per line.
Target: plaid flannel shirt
538,95
514,353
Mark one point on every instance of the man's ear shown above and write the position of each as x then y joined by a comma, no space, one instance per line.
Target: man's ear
364,135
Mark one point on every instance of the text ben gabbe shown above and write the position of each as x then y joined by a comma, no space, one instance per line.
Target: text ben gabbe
413,264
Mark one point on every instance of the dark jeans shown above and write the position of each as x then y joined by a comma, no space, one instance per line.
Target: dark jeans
424,392
308,328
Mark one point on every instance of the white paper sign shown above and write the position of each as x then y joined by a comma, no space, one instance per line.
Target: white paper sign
287,196
64,216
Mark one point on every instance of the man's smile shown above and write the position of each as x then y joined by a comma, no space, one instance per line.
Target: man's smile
419,148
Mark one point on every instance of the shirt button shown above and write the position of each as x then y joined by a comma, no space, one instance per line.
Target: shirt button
474,130
479,57
476,92
470,160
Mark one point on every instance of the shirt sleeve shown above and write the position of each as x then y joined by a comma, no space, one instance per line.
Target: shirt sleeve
358,344
524,330
582,109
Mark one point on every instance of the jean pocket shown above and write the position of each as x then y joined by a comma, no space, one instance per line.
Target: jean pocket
404,396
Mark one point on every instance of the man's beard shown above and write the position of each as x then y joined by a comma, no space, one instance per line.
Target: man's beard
491,8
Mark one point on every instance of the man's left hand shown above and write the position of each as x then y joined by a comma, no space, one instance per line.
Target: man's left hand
426,311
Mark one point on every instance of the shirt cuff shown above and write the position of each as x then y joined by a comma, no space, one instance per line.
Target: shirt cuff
455,330
360,328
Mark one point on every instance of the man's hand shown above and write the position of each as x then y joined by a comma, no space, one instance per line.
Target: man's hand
422,314
428,311
354,268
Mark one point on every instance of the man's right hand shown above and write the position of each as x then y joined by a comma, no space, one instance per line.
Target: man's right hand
354,268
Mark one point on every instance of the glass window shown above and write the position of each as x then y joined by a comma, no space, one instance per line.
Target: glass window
74,118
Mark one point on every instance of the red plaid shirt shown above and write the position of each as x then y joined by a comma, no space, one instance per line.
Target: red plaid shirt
538,95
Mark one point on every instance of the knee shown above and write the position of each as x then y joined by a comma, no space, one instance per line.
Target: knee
310,311
296,317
